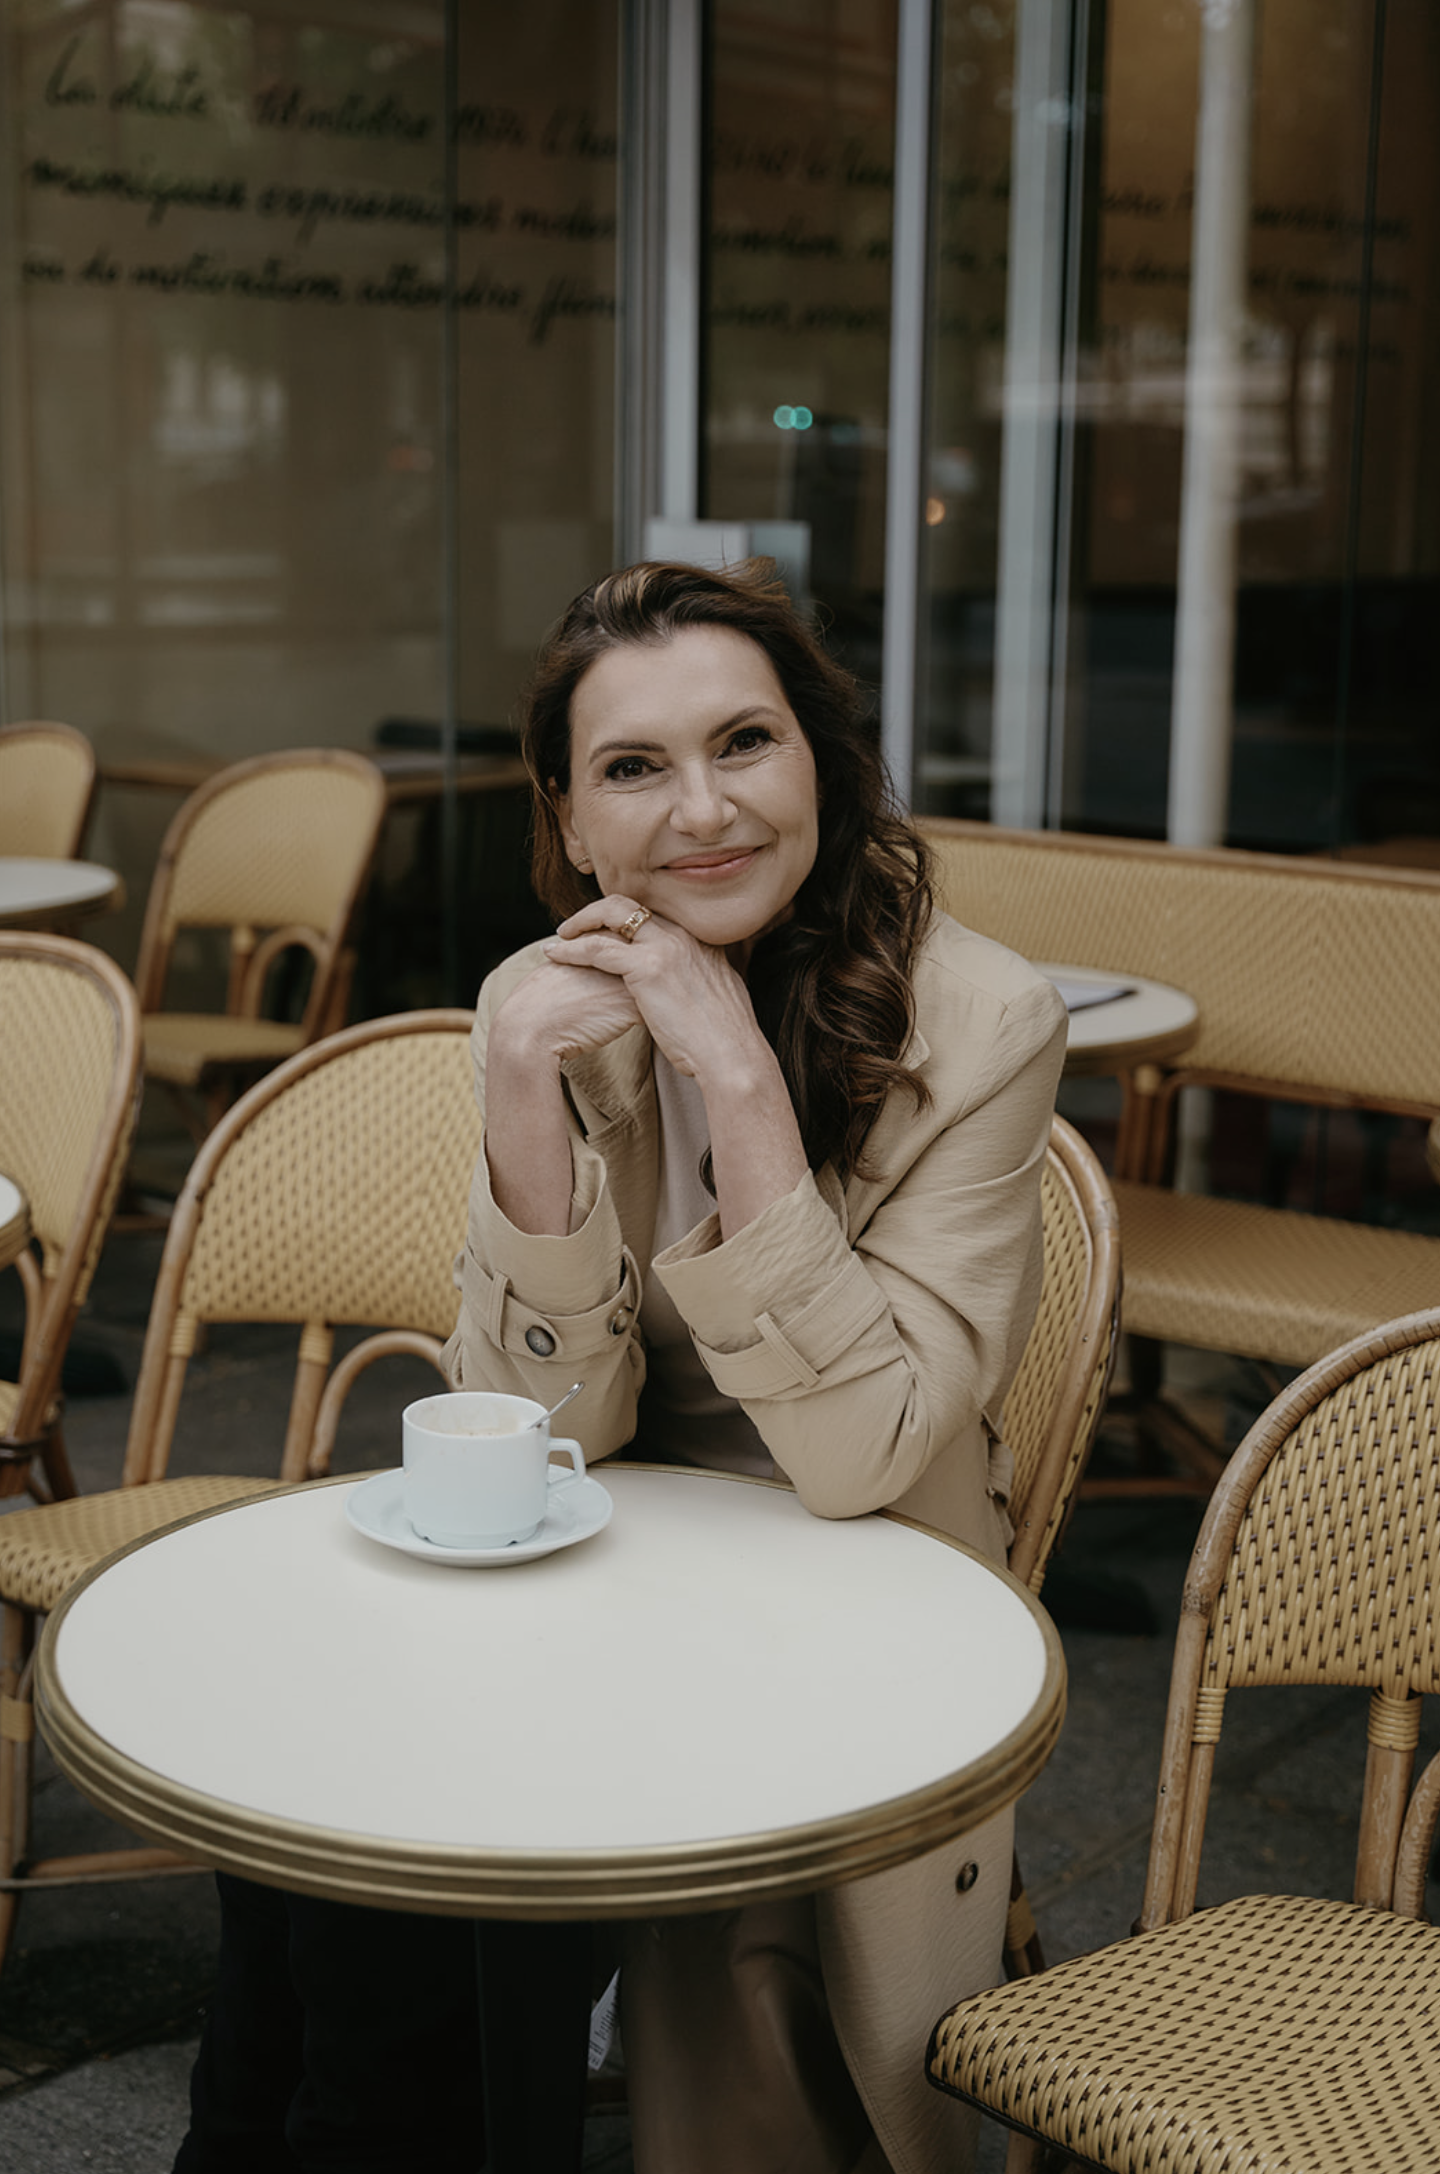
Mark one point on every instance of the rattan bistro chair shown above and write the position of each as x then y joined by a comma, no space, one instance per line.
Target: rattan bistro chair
69,1091
1289,2034
333,1193
1056,1399
47,789
1053,1410
276,850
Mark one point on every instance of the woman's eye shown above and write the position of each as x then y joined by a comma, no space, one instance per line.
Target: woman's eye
626,766
748,739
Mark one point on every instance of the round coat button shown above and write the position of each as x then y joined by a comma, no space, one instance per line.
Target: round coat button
966,1877
541,1342
620,1321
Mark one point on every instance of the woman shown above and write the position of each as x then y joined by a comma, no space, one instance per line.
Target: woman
763,1139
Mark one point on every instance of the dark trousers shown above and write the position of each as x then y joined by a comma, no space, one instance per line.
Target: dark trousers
340,2041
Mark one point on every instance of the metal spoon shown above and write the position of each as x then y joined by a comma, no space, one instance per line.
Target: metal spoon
574,1390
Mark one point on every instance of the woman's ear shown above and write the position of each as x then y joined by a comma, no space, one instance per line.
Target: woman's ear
574,843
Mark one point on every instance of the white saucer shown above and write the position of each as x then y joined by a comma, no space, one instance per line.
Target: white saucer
377,1508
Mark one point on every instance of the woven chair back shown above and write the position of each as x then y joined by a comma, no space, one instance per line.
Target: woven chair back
333,1193
281,841
1055,1401
47,785
69,1097
69,1041
1304,972
1318,1563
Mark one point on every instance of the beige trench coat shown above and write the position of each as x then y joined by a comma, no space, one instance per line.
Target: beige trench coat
870,1331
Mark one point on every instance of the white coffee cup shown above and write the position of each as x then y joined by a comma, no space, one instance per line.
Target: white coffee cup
478,1471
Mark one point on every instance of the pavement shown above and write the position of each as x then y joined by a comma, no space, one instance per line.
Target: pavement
104,1993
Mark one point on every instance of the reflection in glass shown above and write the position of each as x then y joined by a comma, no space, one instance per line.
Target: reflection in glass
224,392
970,277
797,315
1337,565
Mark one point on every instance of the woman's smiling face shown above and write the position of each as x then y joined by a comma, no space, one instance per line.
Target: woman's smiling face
692,785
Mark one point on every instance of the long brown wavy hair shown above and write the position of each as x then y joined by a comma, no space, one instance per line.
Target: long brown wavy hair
831,986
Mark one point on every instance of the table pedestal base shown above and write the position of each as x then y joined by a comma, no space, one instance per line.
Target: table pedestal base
535,2032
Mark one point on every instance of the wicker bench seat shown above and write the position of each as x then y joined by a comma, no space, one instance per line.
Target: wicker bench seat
1262,1283
1313,980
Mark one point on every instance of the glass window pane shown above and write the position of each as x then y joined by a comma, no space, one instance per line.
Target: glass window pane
797,290
226,481
970,281
1337,562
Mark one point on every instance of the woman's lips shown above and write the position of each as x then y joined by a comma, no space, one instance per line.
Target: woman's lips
712,864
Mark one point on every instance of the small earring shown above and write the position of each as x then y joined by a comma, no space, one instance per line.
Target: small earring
586,868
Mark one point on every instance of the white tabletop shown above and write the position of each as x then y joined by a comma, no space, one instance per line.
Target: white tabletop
718,1696
42,890
14,1220
1149,1020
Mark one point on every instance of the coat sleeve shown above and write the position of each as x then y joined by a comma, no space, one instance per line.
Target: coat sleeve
861,1358
538,1313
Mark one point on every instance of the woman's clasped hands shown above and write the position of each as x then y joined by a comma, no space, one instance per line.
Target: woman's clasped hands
599,982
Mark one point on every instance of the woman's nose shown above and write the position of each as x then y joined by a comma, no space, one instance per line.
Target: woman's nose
702,807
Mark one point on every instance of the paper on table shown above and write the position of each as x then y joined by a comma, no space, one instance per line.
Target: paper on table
1078,996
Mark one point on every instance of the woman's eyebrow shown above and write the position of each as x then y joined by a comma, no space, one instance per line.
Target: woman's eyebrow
626,747
638,746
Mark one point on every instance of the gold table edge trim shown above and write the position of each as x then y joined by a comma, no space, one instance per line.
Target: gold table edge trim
447,1879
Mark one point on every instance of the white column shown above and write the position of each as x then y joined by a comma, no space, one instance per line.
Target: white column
1034,327
680,430
904,474
657,402
1201,723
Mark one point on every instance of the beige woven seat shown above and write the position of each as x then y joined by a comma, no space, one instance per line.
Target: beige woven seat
47,789
69,1091
1053,1409
1305,977
333,1193
1272,2034
276,850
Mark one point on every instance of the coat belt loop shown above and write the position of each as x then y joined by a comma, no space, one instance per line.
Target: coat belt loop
494,1324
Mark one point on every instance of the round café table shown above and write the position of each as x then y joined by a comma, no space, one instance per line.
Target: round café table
715,1699
689,1709
53,894
1137,1026
14,1221
1145,1022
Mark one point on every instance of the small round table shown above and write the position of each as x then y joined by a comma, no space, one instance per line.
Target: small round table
1147,1021
14,1221
53,894
685,1711
1140,1026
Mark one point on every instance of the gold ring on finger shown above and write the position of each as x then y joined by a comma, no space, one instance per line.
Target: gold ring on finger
631,926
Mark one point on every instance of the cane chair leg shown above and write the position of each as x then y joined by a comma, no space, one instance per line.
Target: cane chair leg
1175,1455
17,1722
14,1476
1024,1956
317,1344
55,1463
188,1115
1027,2155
